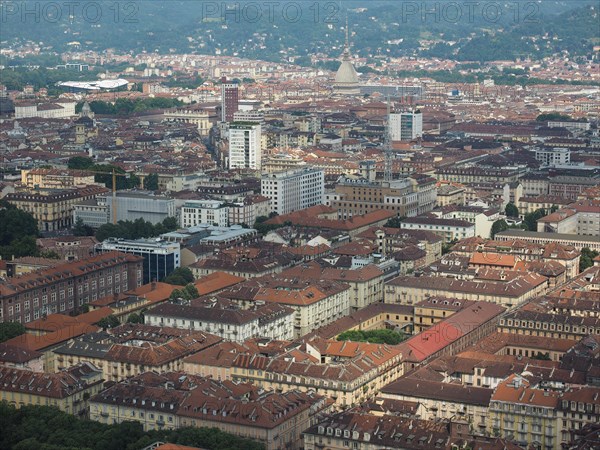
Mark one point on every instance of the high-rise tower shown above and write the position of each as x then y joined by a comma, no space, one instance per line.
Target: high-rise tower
229,100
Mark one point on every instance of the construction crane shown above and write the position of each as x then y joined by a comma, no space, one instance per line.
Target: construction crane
114,188
387,147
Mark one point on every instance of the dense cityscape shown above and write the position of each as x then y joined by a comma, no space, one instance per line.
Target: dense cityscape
300,225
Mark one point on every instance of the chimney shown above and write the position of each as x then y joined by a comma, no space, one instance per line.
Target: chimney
153,286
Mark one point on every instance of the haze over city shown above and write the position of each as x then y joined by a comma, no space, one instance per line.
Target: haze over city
309,225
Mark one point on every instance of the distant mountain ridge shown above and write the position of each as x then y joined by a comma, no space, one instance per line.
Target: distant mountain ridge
496,30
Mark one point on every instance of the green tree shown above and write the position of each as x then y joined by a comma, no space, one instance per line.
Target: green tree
180,276
9,330
553,116
81,229
395,222
109,322
389,337
151,182
48,428
137,229
188,292
135,318
531,219
511,210
18,231
586,259
80,163
498,226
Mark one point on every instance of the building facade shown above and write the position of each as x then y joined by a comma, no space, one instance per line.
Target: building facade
160,257
406,126
229,101
54,209
67,287
293,190
245,145
213,212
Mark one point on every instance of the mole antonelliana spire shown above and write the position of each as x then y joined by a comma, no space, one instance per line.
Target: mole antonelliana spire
346,79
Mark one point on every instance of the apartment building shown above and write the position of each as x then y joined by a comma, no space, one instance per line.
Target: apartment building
532,323
544,238
67,390
405,125
244,145
55,178
177,399
581,217
366,283
443,400
476,174
407,197
245,210
522,412
53,209
293,190
482,218
450,194
67,287
514,289
449,229
132,349
271,321
347,372
316,303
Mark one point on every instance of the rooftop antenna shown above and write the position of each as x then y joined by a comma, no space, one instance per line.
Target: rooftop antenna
387,147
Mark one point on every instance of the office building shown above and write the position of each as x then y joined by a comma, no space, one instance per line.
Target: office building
160,257
293,190
126,205
212,212
245,145
406,125
229,101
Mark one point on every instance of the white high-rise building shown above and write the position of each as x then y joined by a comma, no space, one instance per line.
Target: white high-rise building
293,190
245,145
406,125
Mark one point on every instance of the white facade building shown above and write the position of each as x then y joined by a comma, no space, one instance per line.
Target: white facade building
406,126
58,110
272,321
553,156
244,145
195,212
448,229
293,190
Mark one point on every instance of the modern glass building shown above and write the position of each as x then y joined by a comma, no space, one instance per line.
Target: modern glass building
160,257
